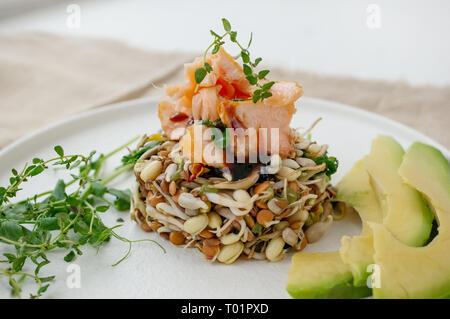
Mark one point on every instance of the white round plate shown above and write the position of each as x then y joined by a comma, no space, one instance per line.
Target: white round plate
181,273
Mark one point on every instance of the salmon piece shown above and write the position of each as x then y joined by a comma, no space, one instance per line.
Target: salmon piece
175,117
226,67
188,89
173,90
189,73
284,93
205,104
273,112
261,116
202,104
189,141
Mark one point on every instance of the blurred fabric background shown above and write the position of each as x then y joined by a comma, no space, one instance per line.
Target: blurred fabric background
62,57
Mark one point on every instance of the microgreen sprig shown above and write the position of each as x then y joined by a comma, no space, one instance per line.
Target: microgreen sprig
62,220
249,66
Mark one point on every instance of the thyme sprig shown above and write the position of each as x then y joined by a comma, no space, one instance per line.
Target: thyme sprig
59,219
248,65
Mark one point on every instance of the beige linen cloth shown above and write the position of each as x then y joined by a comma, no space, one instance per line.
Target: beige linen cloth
45,77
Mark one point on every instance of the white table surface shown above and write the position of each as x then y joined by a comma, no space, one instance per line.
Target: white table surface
329,37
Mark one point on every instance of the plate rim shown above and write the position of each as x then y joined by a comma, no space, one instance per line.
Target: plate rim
122,105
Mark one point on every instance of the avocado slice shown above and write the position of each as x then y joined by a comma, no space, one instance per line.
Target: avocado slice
405,212
325,275
418,272
435,183
355,189
322,276
357,252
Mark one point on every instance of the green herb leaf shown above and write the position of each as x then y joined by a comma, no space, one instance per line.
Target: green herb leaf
331,163
43,289
48,223
256,95
29,169
200,74
59,193
215,49
98,189
252,79
266,95
122,201
10,257
18,263
37,170
268,86
233,36
207,67
226,24
17,211
2,194
247,70
11,230
47,279
214,34
134,157
245,57
59,150
69,257
101,209
262,74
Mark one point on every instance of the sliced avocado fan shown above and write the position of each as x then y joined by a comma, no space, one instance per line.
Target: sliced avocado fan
418,272
380,196
405,212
